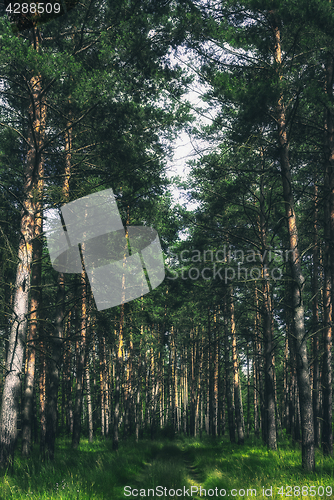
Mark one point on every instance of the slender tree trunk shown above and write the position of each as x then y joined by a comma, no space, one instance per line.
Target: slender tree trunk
229,400
53,372
270,420
34,310
192,386
278,410
89,403
248,392
236,377
185,392
57,336
256,366
208,419
293,391
80,369
102,385
305,398
199,399
286,416
68,382
118,365
315,314
215,377
42,397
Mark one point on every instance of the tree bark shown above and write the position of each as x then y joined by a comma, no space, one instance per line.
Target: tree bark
80,369
34,308
56,341
229,400
315,314
16,346
42,398
328,293
118,366
256,370
236,377
270,420
305,398
215,377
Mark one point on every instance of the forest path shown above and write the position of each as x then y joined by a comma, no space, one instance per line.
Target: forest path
193,475
171,467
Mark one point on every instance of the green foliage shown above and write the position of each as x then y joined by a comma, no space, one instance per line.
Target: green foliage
95,472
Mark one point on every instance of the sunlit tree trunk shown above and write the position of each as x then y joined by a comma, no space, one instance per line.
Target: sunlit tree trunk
328,293
42,397
68,380
16,345
192,384
199,399
34,307
305,398
229,399
236,377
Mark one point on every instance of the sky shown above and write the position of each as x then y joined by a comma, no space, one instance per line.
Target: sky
188,148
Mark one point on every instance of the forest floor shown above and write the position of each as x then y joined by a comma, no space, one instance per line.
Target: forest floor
175,468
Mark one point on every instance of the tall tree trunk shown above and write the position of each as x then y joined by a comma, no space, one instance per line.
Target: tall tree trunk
118,366
305,398
192,386
327,434
42,397
270,420
34,310
200,378
56,341
286,417
208,419
236,376
89,403
16,345
248,392
229,400
53,372
185,391
215,377
80,369
102,384
256,370
315,314
68,381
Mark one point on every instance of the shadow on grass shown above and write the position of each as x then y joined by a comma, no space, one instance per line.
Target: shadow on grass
96,472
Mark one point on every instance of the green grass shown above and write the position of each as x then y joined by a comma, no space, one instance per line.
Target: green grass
96,472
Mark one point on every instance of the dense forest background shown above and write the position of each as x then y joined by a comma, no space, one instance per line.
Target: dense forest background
237,340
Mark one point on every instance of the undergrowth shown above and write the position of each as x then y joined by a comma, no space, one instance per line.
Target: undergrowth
181,468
